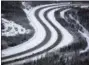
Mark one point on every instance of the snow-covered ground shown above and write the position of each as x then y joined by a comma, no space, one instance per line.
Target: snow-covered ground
13,29
62,13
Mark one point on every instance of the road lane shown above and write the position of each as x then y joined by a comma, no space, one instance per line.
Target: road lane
67,38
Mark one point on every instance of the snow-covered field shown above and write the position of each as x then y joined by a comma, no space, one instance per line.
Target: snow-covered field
13,29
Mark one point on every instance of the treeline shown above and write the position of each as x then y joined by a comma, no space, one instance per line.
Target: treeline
62,59
83,14
15,40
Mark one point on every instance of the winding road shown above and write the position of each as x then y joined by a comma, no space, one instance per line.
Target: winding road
49,35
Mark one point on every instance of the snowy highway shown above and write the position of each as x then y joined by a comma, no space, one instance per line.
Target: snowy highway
49,35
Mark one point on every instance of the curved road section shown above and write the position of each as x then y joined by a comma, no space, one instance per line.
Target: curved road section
50,35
